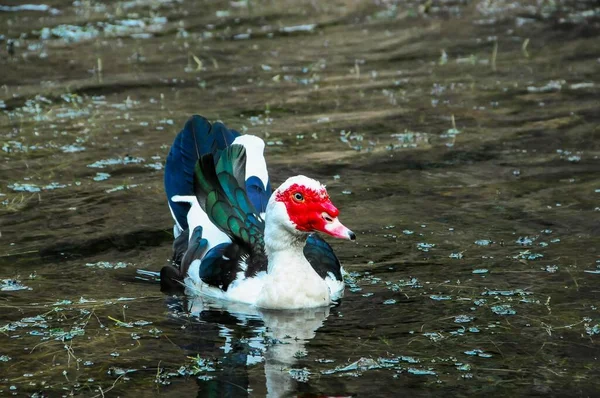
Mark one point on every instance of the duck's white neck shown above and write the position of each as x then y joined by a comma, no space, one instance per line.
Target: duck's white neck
291,280
281,243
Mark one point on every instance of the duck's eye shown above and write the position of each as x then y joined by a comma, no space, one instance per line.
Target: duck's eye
298,197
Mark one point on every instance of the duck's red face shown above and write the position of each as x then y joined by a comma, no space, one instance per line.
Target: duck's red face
311,210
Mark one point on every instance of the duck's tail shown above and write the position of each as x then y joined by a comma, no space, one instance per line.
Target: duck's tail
198,138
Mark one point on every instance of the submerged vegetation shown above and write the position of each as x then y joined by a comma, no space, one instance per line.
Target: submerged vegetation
460,139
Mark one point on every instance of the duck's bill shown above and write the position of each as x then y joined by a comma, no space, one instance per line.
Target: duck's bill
338,230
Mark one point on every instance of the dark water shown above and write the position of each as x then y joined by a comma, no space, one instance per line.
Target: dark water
460,139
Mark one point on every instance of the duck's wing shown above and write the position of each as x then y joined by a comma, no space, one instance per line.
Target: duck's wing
221,191
198,137
196,235
325,263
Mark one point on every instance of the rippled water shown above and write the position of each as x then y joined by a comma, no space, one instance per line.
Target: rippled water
459,139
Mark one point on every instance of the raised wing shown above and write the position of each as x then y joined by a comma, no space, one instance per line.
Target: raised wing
198,137
215,170
225,202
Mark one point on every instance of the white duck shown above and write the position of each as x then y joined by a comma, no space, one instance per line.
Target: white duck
234,239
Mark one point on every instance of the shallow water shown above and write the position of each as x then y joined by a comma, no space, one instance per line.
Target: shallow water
460,142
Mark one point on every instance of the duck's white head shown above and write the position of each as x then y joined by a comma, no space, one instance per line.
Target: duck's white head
302,205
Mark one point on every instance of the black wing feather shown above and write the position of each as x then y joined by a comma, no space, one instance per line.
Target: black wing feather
322,258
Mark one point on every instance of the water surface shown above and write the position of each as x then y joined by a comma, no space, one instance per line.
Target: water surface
459,139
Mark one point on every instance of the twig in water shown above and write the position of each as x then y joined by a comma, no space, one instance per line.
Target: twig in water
494,55
157,378
108,389
498,348
574,280
524,48
99,62
18,254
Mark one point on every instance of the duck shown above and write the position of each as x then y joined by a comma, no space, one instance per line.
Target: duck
238,240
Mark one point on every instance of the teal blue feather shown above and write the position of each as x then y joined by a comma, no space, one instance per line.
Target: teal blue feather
220,190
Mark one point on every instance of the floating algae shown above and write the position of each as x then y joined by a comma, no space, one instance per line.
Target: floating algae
504,309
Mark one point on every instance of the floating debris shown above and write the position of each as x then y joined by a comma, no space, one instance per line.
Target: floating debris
483,242
116,371
551,268
592,330
596,271
324,360
300,375
101,176
434,336
155,166
412,282
108,265
463,319
457,256
480,271
363,364
72,148
121,188
155,332
440,298
389,302
503,309
84,301
200,365
424,247
31,7
298,28
553,85
515,292
528,255
54,185
62,335
12,285
578,86
479,353
463,367
525,241
100,164
409,139
404,358
24,187
135,28
421,372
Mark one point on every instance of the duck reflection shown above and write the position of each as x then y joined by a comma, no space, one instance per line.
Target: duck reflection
251,336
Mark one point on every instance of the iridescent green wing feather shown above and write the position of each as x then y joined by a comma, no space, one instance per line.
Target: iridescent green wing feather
220,192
